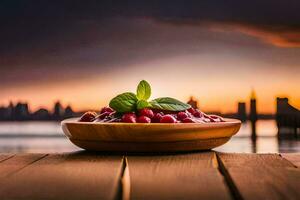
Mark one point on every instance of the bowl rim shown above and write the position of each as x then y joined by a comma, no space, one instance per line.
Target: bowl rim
228,121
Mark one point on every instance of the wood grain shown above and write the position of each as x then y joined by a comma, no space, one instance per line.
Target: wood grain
65,176
293,158
18,162
187,176
261,176
5,156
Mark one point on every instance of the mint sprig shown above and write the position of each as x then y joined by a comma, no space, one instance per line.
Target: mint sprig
142,104
125,102
143,91
130,102
168,103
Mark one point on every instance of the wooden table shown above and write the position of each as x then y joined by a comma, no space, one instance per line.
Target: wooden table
200,175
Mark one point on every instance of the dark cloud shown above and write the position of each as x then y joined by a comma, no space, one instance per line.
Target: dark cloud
58,12
255,11
50,38
26,22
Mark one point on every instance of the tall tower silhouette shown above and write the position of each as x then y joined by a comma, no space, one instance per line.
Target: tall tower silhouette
241,113
58,111
253,114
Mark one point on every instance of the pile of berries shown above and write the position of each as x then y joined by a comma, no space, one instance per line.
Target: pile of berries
147,115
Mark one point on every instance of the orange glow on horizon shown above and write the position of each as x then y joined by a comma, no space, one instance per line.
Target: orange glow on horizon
216,90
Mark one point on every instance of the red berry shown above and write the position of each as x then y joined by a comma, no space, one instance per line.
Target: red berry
191,110
103,115
168,119
182,115
157,117
198,114
146,112
129,118
143,119
188,120
106,109
88,117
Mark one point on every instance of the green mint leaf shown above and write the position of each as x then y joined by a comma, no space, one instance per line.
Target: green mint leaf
143,91
142,104
168,103
125,102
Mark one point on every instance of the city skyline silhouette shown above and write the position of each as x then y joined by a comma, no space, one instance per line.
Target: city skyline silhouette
21,111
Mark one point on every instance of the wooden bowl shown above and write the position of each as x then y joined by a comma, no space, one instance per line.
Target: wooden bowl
154,137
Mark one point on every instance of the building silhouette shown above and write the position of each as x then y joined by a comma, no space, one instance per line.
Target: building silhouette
41,114
253,114
5,114
10,110
58,111
241,113
68,112
21,112
287,116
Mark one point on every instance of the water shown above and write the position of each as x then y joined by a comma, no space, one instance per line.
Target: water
33,137
47,137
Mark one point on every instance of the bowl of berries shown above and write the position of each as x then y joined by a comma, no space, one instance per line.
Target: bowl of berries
133,123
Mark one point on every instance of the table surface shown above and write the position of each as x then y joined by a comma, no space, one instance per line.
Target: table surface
199,175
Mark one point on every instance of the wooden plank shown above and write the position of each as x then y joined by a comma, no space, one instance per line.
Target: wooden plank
18,162
185,176
293,158
261,176
65,176
5,156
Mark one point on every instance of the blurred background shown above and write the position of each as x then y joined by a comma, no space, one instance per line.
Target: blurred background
232,58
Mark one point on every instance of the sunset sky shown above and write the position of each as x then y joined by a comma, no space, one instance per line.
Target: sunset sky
86,52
